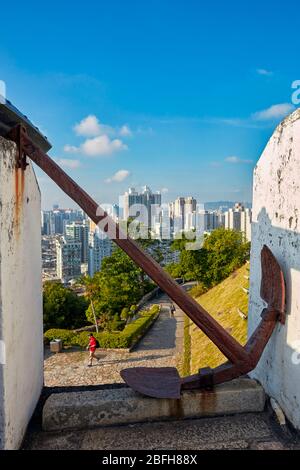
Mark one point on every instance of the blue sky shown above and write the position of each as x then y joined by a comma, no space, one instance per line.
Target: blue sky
180,95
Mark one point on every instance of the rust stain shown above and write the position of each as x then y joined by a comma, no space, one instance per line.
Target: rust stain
208,401
176,409
19,192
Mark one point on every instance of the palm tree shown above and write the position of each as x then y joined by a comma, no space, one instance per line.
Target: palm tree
90,290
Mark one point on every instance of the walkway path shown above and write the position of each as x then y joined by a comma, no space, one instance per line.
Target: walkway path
161,346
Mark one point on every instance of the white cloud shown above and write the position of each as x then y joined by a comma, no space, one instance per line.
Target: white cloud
234,159
101,139
97,146
119,176
125,131
71,149
102,145
67,163
277,111
88,127
92,127
264,72
164,190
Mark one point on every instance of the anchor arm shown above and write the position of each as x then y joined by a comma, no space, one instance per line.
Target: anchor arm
228,371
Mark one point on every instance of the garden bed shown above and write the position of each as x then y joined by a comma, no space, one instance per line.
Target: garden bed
120,340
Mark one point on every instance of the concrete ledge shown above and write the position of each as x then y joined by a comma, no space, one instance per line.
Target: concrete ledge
81,410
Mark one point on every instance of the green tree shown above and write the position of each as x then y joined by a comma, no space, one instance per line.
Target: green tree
225,251
62,308
91,294
222,252
120,284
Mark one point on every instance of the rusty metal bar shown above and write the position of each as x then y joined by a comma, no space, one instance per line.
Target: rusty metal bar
221,338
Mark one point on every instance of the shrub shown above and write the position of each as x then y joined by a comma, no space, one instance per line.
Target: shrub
125,314
65,335
115,339
81,339
198,290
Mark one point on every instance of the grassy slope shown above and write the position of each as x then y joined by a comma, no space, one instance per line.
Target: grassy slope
221,302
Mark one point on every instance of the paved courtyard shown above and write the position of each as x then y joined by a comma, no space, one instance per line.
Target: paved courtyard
161,346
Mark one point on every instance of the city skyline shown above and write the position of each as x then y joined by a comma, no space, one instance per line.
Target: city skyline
166,198
187,111
73,245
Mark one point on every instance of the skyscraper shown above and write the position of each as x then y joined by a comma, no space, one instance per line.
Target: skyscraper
68,259
100,246
141,204
239,218
181,213
79,232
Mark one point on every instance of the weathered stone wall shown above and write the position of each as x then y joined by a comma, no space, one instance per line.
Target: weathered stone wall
21,328
276,223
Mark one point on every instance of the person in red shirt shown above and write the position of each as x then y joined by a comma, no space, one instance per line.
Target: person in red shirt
92,346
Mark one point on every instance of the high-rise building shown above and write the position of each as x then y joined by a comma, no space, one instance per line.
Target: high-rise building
238,218
47,223
58,221
161,226
141,204
181,213
100,246
68,259
115,212
246,219
54,222
79,232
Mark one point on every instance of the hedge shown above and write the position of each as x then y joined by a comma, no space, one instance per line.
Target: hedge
116,340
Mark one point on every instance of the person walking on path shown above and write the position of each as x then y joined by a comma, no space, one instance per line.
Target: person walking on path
92,346
172,310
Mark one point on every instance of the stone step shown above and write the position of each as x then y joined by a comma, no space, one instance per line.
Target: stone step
84,410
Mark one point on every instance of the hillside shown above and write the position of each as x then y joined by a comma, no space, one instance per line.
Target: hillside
222,302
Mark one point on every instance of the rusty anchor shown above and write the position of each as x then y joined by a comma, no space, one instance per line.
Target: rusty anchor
165,382
162,382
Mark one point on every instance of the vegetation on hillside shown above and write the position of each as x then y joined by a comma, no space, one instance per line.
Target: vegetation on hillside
222,302
222,252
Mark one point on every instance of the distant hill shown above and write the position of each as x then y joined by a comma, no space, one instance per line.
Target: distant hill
222,302
225,205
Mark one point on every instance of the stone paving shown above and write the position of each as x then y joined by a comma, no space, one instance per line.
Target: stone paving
244,431
161,346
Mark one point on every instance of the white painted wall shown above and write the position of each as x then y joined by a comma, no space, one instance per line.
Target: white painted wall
276,223
21,327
